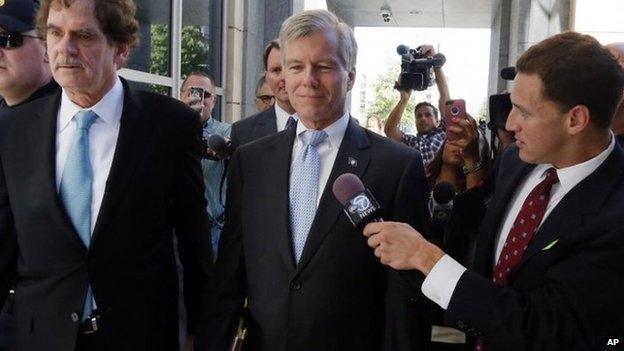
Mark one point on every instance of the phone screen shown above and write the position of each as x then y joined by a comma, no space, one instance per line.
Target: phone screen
453,109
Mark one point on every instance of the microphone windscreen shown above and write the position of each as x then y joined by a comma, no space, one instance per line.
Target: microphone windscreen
346,187
217,143
402,49
443,192
508,73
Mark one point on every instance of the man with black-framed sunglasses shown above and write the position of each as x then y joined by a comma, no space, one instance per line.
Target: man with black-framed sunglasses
24,69
24,77
199,93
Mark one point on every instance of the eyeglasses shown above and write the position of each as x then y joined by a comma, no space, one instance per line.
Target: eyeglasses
13,40
267,99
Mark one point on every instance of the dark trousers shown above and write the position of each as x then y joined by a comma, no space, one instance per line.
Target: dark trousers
7,326
440,346
91,342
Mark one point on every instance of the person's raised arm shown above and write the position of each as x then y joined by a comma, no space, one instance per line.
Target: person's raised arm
392,123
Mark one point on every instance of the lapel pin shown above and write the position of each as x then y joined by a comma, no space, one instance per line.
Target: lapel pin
352,162
549,246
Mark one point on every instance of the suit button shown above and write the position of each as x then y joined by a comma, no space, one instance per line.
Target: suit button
461,325
295,285
75,317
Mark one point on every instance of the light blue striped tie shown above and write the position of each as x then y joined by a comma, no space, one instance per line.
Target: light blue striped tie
304,189
76,187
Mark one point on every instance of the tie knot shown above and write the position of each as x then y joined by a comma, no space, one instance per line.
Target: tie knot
313,137
84,119
291,122
551,176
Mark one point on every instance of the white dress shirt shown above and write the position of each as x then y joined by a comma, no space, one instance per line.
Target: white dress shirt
102,140
282,117
440,284
327,150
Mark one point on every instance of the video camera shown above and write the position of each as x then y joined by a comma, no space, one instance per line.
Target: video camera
416,69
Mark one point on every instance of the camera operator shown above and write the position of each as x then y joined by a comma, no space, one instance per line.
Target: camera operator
431,135
198,92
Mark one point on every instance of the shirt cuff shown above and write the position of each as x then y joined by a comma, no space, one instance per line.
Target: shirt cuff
440,283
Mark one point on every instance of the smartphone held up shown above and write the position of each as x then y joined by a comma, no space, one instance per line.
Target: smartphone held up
453,111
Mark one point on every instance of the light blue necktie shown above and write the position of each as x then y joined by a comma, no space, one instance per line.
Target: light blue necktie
76,187
304,189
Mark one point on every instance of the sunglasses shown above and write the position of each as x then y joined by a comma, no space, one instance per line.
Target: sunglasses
266,98
13,40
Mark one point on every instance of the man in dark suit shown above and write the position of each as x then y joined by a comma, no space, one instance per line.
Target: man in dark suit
310,280
93,182
25,77
274,119
550,252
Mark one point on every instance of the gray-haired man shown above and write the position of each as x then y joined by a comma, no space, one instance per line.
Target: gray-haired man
287,246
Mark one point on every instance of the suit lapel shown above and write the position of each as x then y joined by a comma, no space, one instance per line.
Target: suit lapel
585,198
354,147
277,171
44,134
506,185
134,133
266,125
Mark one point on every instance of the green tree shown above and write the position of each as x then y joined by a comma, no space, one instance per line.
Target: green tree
385,97
482,115
195,50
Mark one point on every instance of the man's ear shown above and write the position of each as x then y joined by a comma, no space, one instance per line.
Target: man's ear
122,55
351,79
578,119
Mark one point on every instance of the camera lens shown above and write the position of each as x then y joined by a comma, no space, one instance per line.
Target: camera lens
454,111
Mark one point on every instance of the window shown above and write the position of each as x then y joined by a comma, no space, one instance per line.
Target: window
196,30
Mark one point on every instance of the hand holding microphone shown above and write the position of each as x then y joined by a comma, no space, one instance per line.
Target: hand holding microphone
218,147
398,245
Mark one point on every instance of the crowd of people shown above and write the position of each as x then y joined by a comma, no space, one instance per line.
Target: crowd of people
112,199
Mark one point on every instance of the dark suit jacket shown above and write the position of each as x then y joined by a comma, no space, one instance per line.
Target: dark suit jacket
154,186
566,297
254,127
338,297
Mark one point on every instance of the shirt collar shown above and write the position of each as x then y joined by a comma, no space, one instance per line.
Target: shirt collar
335,131
570,176
435,131
282,117
209,122
108,109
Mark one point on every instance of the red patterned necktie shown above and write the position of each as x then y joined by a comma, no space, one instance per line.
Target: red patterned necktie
526,224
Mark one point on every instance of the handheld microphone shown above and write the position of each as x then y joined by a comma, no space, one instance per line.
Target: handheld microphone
441,207
443,193
508,73
219,145
358,203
